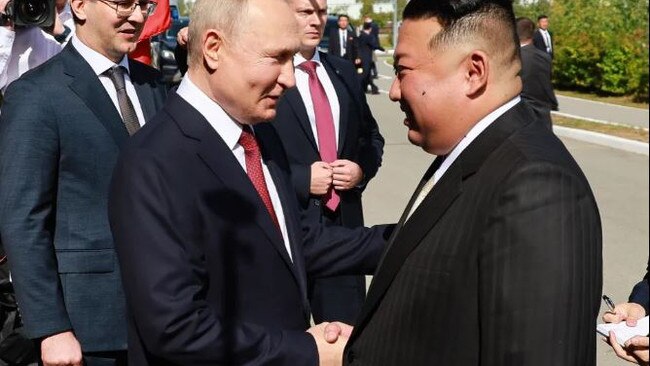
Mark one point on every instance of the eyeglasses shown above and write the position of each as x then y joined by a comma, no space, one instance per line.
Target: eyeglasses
124,9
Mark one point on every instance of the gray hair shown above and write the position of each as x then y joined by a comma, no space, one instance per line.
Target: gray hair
223,15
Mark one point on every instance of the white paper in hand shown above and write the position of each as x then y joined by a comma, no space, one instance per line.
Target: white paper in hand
622,331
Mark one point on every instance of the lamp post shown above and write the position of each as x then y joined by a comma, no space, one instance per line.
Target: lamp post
394,23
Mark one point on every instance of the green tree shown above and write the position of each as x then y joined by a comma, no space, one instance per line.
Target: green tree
599,45
184,7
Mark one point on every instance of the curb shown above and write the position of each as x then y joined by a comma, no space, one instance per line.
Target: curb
589,136
602,139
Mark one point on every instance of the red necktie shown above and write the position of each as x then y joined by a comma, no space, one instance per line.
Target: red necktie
254,169
324,126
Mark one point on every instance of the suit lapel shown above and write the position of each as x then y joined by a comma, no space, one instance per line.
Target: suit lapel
144,91
294,230
298,106
344,107
89,89
411,232
438,201
214,152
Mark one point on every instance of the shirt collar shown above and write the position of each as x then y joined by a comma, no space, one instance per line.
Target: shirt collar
473,133
97,61
299,59
229,130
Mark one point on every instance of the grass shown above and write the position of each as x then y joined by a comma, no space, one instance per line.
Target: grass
622,100
632,133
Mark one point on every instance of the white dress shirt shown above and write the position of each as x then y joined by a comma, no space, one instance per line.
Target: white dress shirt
473,133
100,64
302,83
230,131
343,39
26,48
547,39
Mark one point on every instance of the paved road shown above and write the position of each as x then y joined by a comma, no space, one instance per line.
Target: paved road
602,112
619,180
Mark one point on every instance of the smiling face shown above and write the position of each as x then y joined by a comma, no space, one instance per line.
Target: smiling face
311,16
102,30
428,87
254,67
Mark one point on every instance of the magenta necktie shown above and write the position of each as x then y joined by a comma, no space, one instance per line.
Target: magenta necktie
254,169
324,126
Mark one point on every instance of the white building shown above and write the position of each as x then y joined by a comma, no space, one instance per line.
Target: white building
353,8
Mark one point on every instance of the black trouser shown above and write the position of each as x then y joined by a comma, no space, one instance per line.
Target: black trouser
366,79
336,298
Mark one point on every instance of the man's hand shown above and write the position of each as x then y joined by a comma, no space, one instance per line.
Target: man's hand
635,349
61,349
629,311
182,36
335,330
346,174
329,354
321,178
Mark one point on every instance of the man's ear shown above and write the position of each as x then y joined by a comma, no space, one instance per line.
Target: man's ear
78,8
212,42
476,73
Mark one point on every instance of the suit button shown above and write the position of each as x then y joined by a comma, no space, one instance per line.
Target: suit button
350,356
316,203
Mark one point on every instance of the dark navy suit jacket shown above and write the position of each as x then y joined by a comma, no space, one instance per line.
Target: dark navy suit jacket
60,135
359,140
207,276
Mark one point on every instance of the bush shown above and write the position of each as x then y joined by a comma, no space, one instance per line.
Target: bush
599,45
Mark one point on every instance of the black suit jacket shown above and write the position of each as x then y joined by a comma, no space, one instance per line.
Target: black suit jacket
60,135
351,46
536,70
207,278
538,42
500,264
359,140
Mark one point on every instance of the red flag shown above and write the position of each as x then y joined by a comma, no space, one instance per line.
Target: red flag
157,23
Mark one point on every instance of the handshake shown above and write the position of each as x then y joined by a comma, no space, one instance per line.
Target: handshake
331,339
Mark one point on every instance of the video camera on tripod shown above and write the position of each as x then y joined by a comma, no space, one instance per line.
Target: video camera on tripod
30,13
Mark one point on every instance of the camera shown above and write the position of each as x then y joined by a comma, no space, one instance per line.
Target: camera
31,13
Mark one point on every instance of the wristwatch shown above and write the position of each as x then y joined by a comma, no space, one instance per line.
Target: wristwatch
63,36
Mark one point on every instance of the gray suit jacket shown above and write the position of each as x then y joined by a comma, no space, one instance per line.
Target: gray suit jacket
60,135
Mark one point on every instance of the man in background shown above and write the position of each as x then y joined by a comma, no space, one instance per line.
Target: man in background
542,39
61,129
334,147
367,46
374,32
497,258
343,41
536,72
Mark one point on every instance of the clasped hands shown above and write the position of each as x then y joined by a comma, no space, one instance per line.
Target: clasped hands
635,349
331,339
340,174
